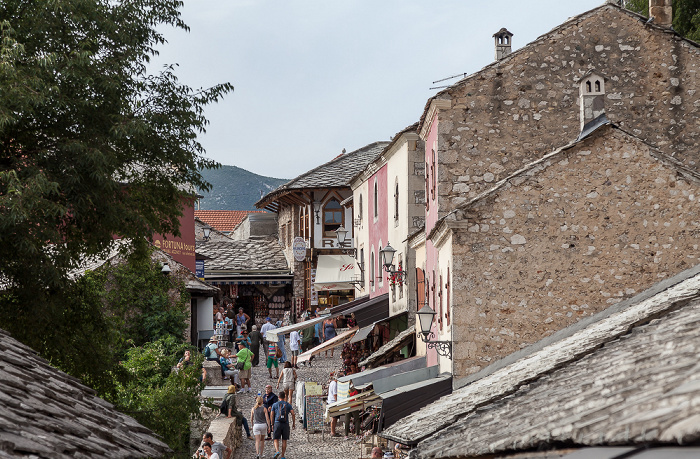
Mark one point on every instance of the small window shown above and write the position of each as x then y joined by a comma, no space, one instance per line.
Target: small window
371,271
332,217
376,201
361,213
362,267
396,202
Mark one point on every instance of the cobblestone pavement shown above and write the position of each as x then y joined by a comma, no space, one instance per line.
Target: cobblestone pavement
300,445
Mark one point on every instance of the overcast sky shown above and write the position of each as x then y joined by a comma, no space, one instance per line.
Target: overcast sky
313,77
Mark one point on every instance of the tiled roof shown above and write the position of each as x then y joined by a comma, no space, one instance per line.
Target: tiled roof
264,254
45,413
224,220
336,173
494,384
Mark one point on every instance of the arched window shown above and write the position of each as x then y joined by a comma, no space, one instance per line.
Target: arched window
362,267
359,217
371,270
332,217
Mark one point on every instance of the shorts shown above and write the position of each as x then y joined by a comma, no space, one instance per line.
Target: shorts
288,385
281,431
295,353
272,361
244,374
259,429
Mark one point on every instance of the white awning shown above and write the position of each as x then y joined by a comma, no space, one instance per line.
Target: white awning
335,272
338,340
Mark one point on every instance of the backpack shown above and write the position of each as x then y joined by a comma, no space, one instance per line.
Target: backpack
223,409
207,351
283,414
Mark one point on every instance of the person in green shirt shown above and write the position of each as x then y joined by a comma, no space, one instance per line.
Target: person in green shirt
245,355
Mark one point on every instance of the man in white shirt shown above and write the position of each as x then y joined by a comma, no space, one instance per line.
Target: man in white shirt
294,345
332,398
267,326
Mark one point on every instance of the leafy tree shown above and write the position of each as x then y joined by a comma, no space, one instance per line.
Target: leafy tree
91,145
159,398
686,15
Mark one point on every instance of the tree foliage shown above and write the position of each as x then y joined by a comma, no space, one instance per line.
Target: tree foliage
161,399
686,15
91,144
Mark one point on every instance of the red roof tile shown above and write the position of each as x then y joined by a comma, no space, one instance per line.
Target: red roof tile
224,220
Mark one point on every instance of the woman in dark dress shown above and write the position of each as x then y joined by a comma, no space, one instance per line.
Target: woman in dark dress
255,341
329,332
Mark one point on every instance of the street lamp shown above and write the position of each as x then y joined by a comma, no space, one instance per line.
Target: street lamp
317,210
341,235
207,232
426,315
387,258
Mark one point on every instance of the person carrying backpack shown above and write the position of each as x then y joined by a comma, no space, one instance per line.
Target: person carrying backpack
281,413
230,409
211,351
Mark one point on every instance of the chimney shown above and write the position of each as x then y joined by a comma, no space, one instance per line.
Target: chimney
591,98
661,12
503,39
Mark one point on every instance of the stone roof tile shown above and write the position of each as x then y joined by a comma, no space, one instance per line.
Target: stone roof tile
264,254
47,413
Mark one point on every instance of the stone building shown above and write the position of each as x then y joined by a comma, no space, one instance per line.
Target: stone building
309,210
529,229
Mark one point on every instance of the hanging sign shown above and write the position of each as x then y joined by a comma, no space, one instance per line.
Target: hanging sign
299,248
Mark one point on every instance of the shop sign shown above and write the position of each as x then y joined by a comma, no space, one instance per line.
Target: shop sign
299,248
199,269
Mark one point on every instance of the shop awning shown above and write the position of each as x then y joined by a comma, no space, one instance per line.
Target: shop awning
363,333
364,378
367,311
398,342
338,340
336,272
404,400
272,335
354,403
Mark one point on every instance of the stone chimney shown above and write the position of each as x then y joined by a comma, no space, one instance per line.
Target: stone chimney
503,40
661,12
591,98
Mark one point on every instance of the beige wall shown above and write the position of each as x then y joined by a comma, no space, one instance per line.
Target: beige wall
588,228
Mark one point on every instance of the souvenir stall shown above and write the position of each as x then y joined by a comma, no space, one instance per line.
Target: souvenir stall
259,301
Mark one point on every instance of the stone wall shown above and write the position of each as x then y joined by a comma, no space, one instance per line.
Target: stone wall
587,228
526,105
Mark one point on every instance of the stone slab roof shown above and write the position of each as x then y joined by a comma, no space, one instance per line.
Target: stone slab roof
255,254
571,344
45,413
336,173
224,220
641,388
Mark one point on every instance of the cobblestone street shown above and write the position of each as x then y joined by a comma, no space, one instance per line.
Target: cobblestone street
300,444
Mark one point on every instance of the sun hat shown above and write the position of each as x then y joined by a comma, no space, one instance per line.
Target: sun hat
231,389
213,339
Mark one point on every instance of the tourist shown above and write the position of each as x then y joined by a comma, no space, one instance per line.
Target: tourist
288,377
243,338
216,446
318,331
267,326
272,359
228,367
282,354
329,331
211,350
295,346
332,398
230,408
262,425
185,361
281,413
206,451
377,453
269,399
255,341
246,356
241,319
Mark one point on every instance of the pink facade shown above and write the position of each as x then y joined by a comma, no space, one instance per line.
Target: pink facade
378,224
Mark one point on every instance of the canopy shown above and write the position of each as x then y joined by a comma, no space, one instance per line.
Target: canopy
272,335
333,342
335,272
398,342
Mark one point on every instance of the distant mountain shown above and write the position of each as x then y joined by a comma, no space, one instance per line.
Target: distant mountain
234,188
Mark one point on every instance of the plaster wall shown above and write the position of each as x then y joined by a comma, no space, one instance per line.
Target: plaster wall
378,225
587,228
361,232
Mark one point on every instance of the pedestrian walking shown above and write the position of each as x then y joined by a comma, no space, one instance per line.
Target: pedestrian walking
262,425
272,352
267,326
329,332
281,413
332,398
269,399
288,377
294,347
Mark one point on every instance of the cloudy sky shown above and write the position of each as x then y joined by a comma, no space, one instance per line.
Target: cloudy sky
313,77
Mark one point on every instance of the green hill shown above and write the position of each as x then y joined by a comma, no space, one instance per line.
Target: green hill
234,188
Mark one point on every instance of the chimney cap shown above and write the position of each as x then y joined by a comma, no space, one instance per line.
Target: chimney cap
502,32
